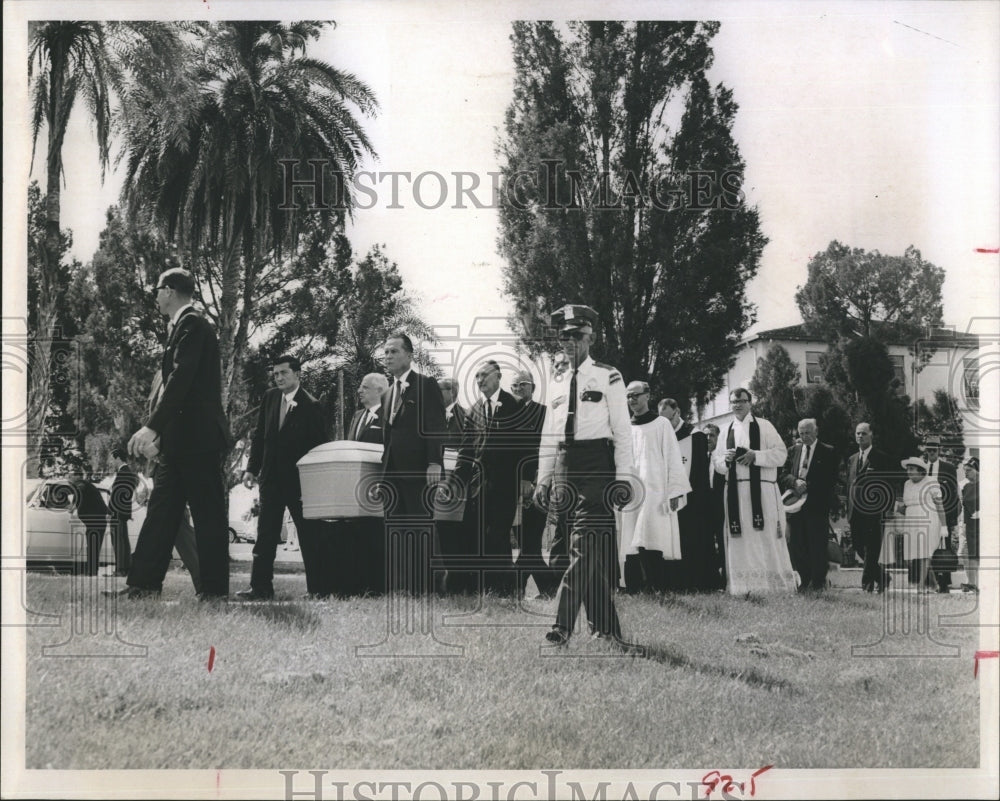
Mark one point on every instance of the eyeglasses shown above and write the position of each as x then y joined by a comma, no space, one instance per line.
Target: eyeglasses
522,384
734,401
162,286
565,336
634,395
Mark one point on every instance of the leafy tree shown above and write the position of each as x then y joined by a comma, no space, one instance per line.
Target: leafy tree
773,386
942,418
857,293
204,147
67,60
613,124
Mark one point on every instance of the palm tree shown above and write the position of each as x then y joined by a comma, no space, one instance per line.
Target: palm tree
203,148
67,60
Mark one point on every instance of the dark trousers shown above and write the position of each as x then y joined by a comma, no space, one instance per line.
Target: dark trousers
942,577
95,539
866,535
807,535
275,498
123,549
529,559
455,554
647,571
589,467
409,533
491,517
196,481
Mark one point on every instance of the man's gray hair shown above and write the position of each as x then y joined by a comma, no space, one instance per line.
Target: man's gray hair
378,380
810,422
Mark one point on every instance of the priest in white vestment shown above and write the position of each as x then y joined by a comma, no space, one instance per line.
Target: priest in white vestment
649,526
749,453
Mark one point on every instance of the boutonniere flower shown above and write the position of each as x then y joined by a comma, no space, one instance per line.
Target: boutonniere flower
291,404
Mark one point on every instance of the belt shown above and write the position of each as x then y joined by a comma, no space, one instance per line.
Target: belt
585,445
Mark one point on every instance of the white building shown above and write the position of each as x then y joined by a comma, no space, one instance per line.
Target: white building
953,366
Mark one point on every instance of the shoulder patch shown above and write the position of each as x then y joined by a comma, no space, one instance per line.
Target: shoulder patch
614,377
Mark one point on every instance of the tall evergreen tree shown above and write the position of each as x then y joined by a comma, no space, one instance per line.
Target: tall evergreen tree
773,386
622,191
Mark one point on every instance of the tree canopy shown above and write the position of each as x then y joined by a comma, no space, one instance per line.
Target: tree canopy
622,191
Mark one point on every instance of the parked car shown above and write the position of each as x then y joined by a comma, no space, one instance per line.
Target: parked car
240,531
54,533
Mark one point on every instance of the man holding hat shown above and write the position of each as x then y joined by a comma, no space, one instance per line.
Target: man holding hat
947,478
586,443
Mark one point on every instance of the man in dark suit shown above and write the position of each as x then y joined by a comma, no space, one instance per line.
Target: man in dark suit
93,513
810,471
120,508
357,554
412,433
189,434
716,512
871,478
947,477
454,414
289,424
530,562
486,474
697,568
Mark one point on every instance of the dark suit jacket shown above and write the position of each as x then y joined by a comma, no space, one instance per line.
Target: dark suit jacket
947,477
454,427
820,479
90,506
490,454
274,451
122,492
871,494
372,432
413,439
188,415
530,418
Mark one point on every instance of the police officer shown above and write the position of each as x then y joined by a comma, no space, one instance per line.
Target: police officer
586,443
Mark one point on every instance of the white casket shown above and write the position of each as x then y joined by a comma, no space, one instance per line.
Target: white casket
340,479
450,510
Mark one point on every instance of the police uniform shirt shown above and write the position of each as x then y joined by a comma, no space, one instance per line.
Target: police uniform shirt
601,413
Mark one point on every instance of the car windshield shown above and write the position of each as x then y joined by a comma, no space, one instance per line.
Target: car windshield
53,495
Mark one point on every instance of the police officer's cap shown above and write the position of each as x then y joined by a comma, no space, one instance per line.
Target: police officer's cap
574,317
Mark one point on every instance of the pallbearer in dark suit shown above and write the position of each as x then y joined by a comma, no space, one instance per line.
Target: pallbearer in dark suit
358,545
93,513
289,425
188,433
412,432
871,480
947,478
810,471
530,562
454,413
487,476
120,508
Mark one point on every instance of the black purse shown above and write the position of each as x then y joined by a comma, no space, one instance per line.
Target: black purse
944,560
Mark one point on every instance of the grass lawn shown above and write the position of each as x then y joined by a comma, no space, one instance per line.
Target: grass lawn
727,681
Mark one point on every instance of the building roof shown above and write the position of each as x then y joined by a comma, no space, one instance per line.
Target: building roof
940,337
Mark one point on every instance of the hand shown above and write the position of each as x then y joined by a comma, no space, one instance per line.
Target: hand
527,488
541,496
434,473
974,516
747,458
249,479
800,486
730,455
143,443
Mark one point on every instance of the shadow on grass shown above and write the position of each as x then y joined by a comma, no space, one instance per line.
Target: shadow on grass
286,615
749,676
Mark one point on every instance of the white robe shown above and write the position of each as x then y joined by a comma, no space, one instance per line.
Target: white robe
647,522
757,560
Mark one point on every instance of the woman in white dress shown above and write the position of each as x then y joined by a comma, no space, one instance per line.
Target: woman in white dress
921,523
750,452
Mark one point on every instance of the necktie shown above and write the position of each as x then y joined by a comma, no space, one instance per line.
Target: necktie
571,412
864,463
397,399
283,412
805,463
489,413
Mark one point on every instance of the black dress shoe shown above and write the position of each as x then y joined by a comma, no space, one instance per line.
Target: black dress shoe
254,595
557,636
132,593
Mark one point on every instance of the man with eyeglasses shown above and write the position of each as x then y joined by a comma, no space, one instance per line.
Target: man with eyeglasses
749,454
188,433
586,447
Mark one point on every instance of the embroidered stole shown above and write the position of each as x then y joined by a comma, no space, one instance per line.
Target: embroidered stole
732,490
